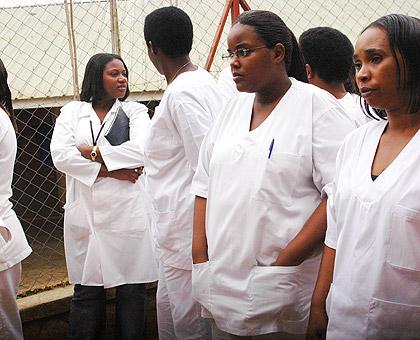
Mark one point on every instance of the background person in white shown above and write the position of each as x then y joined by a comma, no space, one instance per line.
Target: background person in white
258,183
13,245
372,253
328,55
107,242
183,117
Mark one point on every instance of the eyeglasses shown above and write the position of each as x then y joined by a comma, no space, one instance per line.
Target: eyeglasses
241,52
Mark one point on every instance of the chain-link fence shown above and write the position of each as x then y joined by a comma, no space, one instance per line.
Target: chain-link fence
45,45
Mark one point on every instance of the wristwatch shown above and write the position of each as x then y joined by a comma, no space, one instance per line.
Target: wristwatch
94,153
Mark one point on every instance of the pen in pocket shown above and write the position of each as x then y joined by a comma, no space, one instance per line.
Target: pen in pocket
270,149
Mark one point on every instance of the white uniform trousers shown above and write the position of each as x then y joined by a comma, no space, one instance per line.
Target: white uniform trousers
10,324
178,314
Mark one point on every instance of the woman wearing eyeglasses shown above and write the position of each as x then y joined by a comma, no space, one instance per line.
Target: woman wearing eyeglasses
260,217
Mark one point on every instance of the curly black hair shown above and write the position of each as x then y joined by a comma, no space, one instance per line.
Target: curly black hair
329,53
170,29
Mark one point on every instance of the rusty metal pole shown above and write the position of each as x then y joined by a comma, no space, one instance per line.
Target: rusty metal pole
218,35
234,10
231,6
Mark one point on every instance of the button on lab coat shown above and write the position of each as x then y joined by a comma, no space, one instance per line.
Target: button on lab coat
259,195
106,238
17,248
375,228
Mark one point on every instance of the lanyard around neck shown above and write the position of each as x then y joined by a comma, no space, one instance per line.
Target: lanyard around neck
95,140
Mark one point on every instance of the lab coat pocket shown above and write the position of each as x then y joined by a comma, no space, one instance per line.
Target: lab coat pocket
124,212
403,250
389,320
277,179
275,292
75,216
201,283
4,245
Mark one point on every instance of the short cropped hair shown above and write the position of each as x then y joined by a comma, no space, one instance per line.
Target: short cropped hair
170,29
328,52
92,85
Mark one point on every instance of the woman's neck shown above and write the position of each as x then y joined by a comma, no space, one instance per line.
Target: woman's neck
102,107
273,92
401,121
266,100
174,67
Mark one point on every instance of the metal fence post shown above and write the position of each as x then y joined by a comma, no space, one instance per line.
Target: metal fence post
68,5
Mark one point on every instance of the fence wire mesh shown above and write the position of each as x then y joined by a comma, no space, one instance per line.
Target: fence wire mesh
37,51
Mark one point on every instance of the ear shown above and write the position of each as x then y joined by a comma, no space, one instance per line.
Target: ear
308,71
279,52
152,49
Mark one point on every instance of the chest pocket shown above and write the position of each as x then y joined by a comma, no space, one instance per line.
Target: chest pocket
277,178
403,250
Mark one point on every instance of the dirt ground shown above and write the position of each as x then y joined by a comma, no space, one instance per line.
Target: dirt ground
45,267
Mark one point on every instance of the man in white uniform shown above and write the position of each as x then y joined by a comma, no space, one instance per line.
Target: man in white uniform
328,56
186,111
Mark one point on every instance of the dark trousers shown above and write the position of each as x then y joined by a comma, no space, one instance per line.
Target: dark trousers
88,312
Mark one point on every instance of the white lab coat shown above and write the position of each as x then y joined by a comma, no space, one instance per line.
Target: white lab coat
375,228
107,242
256,204
182,119
351,103
17,248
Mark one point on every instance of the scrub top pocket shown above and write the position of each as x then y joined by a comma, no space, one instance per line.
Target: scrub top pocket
275,291
388,320
277,179
403,251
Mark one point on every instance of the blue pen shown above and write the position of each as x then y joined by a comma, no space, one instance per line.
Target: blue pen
270,149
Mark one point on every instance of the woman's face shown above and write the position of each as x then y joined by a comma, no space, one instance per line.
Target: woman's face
251,72
115,79
377,71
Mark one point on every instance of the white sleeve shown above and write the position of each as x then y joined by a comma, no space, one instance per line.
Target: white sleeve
192,122
131,153
330,189
328,133
200,181
331,235
65,155
2,224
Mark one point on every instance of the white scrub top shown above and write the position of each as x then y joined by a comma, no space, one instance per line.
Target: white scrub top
17,248
257,201
375,228
107,242
182,119
351,103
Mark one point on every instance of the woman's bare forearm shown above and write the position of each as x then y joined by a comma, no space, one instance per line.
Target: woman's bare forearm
310,238
199,243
